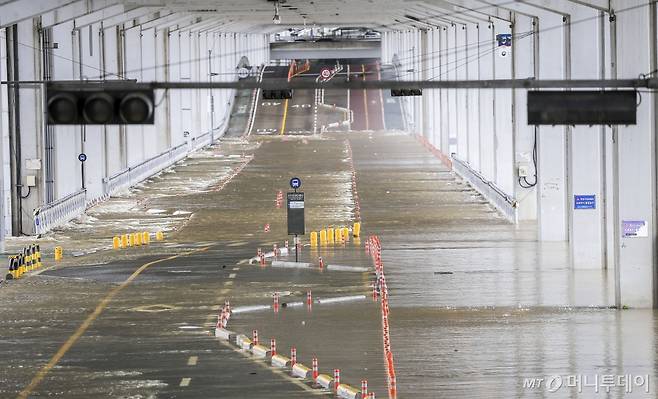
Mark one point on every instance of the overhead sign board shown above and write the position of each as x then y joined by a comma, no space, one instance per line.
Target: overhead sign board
295,207
580,107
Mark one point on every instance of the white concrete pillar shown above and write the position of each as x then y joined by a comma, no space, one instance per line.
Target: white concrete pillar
487,155
551,142
635,185
523,52
586,149
473,96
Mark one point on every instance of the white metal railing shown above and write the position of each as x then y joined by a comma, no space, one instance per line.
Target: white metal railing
140,172
65,209
59,212
506,204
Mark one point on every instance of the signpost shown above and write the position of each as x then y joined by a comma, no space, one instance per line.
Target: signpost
82,158
295,208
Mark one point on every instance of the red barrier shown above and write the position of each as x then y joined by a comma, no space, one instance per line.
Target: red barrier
435,151
373,245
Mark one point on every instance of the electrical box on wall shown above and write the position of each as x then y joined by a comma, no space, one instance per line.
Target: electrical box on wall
33,164
524,170
31,181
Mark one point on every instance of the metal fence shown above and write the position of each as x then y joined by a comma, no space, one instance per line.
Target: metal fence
65,209
497,197
59,212
140,172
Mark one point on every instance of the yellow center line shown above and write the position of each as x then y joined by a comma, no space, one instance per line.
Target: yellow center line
285,116
88,322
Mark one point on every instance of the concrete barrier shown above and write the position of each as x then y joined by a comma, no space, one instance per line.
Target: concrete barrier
246,309
341,299
280,361
224,334
290,265
348,392
260,351
301,371
325,381
342,268
243,342
292,304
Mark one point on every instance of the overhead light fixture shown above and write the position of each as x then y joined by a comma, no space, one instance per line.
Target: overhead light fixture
277,18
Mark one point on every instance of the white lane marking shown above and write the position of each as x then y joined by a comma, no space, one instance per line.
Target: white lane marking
185,382
236,268
192,361
232,275
228,282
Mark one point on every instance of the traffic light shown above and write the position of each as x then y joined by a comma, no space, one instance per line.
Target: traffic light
85,103
277,94
406,92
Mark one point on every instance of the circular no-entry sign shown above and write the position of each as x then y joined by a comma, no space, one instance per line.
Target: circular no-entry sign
82,157
295,182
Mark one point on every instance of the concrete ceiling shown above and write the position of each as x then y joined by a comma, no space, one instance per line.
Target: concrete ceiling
256,15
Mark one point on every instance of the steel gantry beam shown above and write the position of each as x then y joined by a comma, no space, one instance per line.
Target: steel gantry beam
284,84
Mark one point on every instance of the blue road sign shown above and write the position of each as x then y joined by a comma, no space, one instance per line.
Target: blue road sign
82,157
584,202
295,182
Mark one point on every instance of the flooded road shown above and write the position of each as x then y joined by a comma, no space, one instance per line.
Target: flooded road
478,307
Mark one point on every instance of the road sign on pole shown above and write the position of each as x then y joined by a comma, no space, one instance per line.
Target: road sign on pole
296,213
325,73
295,207
295,183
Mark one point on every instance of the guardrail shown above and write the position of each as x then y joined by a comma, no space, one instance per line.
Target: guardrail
59,212
65,209
144,170
506,204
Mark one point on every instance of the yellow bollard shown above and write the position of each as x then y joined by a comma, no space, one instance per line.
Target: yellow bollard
159,236
330,235
314,238
38,253
338,233
125,242
21,266
137,239
323,237
28,259
58,253
146,238
116,242
13,267
356,229
346,234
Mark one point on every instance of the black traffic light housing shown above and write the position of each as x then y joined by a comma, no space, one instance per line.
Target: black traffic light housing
406,92
89,103
277,94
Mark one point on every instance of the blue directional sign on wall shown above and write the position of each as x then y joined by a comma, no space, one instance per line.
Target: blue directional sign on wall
584,202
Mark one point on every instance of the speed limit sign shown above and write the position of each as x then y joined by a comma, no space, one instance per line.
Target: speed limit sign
325,73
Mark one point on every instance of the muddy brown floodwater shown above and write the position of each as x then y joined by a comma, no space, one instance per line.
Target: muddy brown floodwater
479,308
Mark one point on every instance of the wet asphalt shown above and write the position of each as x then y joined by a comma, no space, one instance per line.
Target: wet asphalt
477,305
